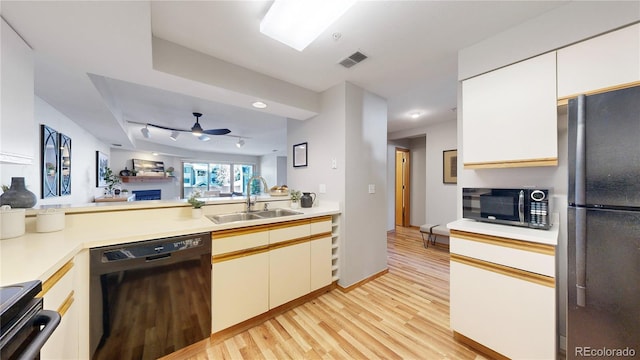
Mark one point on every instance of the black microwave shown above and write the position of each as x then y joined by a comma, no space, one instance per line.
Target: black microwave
519,207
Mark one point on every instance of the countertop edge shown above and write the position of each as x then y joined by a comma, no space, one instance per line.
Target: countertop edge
549,237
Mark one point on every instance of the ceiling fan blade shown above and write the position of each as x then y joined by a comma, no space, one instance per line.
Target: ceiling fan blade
217,131
167,128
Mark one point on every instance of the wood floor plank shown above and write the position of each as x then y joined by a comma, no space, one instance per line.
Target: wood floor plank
403,314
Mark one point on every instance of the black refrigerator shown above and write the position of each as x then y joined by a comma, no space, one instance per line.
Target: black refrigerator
603,315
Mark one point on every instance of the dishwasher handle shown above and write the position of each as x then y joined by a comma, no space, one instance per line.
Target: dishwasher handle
157,257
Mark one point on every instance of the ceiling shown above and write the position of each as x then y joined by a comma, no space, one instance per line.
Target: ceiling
105,64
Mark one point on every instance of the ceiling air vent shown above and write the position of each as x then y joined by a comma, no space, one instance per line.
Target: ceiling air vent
353,59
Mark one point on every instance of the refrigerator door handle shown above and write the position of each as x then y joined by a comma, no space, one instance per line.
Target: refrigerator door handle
580,199
580,164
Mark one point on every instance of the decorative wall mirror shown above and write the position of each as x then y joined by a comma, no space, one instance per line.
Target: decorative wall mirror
49,161
65,164
300,155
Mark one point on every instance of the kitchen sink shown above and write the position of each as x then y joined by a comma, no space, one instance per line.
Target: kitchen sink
227,218
276,213
243,216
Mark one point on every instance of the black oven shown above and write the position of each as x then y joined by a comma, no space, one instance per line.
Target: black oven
24,325
519,207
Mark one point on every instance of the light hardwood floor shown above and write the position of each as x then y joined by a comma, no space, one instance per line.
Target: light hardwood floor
403,314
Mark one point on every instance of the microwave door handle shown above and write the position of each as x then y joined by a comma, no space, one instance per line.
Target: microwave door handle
521,206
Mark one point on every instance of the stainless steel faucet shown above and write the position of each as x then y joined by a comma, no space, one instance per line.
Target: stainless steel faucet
249,183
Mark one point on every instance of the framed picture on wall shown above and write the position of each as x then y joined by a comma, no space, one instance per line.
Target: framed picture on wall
300,155
450,166
102,162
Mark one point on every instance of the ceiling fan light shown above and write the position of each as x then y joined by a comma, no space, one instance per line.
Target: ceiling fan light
145,132
196,129
240,143
204,137
174,135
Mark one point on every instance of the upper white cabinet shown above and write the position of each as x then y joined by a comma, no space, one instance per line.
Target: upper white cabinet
597,64
17,140
510,116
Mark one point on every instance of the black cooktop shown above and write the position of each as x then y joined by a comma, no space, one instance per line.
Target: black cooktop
14,298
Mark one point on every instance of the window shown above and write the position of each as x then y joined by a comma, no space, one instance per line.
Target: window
214,179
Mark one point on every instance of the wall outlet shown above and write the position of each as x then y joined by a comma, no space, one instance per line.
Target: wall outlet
372,188
334,163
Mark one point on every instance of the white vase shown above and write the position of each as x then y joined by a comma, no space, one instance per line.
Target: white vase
196,213
295,204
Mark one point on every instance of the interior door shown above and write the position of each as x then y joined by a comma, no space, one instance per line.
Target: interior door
402,188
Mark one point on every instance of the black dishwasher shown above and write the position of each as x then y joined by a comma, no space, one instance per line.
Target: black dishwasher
150,298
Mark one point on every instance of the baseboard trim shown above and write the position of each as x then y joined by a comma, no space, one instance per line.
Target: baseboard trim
361,282
478,347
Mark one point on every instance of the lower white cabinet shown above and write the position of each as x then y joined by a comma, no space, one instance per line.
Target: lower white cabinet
59,295
240,289
511,316
289,273
321,263
502,289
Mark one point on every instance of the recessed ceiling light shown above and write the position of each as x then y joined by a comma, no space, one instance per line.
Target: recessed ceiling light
259,105
415,115
154,154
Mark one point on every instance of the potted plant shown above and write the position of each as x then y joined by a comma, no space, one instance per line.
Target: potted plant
111,179
196,211
295,198
51,169
170,171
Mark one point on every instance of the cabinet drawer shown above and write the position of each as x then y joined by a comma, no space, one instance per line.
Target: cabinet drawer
281,234
320,225
241,242
532,257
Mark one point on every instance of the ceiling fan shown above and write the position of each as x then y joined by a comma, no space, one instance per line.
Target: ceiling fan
196,129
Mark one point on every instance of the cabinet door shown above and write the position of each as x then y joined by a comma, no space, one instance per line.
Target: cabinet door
59,296
510,116
603,62
513,317
240,290
289,273
320,263
17,111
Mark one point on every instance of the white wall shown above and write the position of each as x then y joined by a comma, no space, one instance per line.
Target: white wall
365,245
83,158
350,129
419,175
440,198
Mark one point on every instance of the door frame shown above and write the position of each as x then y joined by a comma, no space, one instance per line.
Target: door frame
402,187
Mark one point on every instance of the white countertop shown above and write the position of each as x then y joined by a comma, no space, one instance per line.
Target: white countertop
38,255
549,237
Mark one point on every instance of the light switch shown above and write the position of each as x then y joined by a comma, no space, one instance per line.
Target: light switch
322,189
372,188
334,163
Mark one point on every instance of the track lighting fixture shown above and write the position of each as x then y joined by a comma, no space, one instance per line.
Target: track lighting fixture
174,135
240,143
145,132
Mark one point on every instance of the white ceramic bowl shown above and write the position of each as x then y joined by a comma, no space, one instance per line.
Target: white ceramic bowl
50,220
11,222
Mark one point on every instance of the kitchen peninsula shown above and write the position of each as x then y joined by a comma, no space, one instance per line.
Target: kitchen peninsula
61,259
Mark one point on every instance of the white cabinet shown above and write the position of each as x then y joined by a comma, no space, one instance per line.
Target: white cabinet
601,63
17,111
510,116
59,294
240,290
502,291
240,276
289,273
